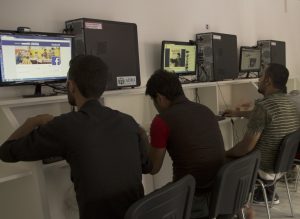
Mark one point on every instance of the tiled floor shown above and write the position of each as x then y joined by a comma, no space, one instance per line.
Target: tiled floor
283,209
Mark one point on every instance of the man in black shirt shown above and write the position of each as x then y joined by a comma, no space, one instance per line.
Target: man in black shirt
102,146
189,132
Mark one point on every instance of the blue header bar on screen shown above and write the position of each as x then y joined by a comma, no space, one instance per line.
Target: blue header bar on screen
34,43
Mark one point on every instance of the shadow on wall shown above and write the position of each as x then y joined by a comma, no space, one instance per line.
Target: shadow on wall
153,53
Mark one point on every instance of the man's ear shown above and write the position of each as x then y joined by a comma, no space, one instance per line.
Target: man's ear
72,86
268,80
163,100
160,98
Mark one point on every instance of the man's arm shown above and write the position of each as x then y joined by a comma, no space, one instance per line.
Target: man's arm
144,147
159,133
245,146
38,138
157,156
29,125
237,113
258,120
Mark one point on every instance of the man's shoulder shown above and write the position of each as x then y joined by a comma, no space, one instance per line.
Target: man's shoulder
126,116
188,111
64,118
273,100
188,105
121,116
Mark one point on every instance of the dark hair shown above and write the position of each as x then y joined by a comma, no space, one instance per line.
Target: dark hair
90,74
279,75
165,83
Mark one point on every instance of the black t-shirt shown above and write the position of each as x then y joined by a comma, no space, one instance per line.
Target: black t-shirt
193,140
105,154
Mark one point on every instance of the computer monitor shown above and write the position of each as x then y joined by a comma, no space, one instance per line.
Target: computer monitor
178,57
34,58
250,59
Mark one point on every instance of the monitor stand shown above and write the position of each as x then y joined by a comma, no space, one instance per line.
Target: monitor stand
38,92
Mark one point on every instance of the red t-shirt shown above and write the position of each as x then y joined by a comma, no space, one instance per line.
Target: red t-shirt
159,132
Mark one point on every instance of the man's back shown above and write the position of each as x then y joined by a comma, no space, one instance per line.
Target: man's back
280,119
195,142
104,157
103,149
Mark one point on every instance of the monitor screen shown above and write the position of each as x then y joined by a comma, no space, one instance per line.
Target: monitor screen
31,58
250,59
179,57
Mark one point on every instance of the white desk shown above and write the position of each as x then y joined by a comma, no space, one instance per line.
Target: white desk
35,191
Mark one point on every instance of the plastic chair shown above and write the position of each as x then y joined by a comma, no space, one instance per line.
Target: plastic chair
234,182
174,200
283,164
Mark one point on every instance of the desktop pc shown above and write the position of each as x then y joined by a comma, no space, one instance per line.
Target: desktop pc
179,57
116,43
32,58
250,61
216,57
272,51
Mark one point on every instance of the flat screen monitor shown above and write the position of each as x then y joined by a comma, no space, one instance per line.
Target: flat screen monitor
250,59
34,58
179,57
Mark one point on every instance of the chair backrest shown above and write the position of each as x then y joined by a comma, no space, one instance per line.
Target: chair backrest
287,152
173,201
233,183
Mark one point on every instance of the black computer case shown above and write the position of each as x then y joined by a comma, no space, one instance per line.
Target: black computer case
116,43
217,56
273,51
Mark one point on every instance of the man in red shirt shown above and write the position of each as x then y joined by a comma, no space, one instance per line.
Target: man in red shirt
189,132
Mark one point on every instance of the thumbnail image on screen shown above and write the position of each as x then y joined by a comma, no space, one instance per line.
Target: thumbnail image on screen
29,58
179,57
37,55
250,59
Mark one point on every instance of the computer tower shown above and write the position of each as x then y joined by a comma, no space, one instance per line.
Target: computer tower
272,52
116,43
216,56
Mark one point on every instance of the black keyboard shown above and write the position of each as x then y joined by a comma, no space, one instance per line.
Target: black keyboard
52,160
220,118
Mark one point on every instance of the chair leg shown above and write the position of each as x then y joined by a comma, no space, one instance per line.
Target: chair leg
243,213
289,196
273,196
297,178
265,197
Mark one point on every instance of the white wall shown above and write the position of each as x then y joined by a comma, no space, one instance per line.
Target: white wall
159,20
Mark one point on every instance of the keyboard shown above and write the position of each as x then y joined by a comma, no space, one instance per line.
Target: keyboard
52,160
220,118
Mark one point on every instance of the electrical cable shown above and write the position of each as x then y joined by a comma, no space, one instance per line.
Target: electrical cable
226,106
235,135
205,72
58,89
197,98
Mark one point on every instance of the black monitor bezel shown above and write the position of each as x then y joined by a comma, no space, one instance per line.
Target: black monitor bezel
240,60
164,42
36,82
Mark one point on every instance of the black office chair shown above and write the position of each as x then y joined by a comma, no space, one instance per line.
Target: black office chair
297,163
174,200
283,164
234,182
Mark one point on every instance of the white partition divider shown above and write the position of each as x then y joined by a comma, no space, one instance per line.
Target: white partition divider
31,190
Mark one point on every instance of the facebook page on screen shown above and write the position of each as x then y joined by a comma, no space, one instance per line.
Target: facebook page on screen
34,57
